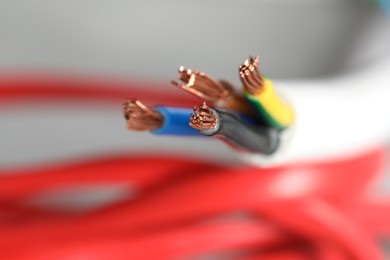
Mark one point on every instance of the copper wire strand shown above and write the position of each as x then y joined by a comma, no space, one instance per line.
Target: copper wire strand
202,85
203,118
250,75
141,117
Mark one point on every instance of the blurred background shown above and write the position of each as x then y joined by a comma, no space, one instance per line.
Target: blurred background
146,41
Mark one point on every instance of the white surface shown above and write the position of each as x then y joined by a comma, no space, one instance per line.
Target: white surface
147,38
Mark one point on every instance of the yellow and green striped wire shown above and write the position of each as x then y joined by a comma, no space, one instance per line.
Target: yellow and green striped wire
268,105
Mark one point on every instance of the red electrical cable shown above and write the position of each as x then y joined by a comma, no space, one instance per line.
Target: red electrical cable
140,172
14,88
133,216
327,212
187,240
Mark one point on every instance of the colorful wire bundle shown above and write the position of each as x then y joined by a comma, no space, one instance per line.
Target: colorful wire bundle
251,122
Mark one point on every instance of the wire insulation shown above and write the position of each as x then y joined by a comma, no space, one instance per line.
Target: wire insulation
175,122
270,107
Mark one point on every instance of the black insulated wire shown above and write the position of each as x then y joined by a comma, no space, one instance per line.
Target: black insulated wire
243,135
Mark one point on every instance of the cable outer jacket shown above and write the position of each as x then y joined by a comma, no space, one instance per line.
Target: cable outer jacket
248,137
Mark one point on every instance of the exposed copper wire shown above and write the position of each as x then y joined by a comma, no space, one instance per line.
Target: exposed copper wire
202,85
141,117
250,75
203,118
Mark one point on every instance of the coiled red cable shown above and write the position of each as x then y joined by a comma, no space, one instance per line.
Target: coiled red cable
186,208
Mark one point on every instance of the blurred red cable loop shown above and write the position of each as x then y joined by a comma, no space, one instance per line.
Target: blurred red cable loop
14,88
187,208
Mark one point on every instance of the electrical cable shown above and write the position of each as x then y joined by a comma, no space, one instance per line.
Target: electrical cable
188,197
17,185
259,136
44,87
200,239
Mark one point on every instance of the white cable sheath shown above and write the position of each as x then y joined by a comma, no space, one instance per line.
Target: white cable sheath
335,117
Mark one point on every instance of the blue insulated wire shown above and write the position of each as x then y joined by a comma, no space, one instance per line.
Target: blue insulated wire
176,122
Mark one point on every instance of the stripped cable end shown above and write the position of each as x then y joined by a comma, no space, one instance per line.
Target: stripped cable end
202,85
141,117
250,75
203,118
